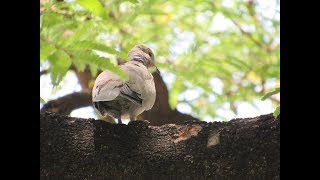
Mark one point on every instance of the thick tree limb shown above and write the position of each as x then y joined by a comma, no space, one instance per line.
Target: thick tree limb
43,72
84,78
161,113
66,104
75,148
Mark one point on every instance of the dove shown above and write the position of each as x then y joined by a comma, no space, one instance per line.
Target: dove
127,99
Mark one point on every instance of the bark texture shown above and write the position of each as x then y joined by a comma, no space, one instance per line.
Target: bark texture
76,148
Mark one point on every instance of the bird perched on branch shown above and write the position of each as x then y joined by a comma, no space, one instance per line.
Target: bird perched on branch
127,99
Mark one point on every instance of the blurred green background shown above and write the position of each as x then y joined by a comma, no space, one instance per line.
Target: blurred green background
218,57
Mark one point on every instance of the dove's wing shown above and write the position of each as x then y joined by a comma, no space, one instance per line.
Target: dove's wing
107,87
141,83
126,92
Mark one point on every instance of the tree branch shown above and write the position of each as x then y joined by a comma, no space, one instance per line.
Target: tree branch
43,72
258,43
75,148
84,78
66,104
161,112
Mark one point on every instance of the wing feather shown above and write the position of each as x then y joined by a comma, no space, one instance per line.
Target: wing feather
107,87
132,96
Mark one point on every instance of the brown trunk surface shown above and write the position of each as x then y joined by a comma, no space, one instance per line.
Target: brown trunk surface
89,149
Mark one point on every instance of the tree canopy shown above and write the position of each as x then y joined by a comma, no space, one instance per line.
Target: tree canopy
217,53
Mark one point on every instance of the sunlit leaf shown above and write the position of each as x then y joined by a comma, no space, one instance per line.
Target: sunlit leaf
42,101
60,63
89,45
45,50
133,1
51,19
175,91
94,6
93,70
79,64
152,11
276,112
253,77
100,63
277,90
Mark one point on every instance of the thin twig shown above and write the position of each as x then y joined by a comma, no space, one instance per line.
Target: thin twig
248,35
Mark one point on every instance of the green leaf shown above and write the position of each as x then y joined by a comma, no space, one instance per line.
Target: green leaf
79,64
84,31
60,63
45,50
133,1
101,63
270,94
93,70
51,19
174,92
239,63
276,112
152,11
94,6
88,45
42,101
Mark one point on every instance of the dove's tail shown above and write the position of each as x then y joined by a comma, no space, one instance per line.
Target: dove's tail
106,108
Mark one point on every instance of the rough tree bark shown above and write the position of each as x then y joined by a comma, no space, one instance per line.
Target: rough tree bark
78,148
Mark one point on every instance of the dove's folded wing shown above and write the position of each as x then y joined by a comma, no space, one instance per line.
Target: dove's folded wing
141,82
107,87
132,96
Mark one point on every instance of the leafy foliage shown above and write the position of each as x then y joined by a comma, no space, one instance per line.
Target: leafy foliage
199,42
94,6
42,101
277,90
60,63
276,112
269,94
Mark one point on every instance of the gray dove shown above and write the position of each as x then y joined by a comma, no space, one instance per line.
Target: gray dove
127,99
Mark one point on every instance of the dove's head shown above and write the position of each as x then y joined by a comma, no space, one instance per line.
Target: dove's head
144,55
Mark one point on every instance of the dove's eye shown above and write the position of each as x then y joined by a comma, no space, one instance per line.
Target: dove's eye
150,54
